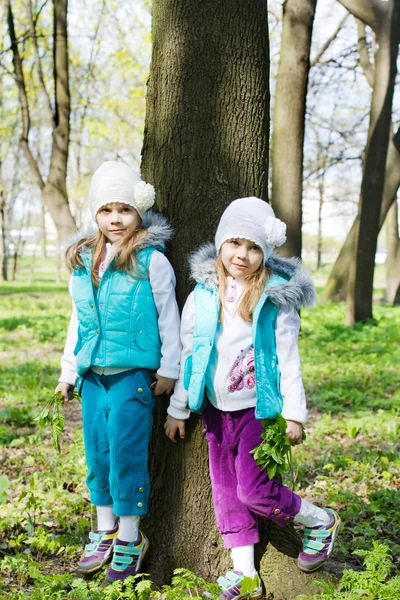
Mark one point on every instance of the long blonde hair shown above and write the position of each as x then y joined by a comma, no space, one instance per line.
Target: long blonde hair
125,255
254,288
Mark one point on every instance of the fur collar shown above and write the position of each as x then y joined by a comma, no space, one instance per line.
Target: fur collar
158,233
297,292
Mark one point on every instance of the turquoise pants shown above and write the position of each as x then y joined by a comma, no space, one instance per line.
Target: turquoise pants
117,422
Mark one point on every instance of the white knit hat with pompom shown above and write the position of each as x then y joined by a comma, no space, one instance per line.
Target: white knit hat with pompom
251,219
116,182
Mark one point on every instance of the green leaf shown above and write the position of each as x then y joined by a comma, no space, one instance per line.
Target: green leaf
4,485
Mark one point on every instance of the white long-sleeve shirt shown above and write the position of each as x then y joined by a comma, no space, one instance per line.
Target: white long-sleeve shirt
162,282
230,378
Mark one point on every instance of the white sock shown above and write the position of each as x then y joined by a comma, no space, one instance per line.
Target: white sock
312,516
128,529
243,560
105,518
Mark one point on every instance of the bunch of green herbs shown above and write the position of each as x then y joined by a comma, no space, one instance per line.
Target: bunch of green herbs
52,413
274,453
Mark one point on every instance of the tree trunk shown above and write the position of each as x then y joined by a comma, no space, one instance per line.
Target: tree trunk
206,143
4,245
206,129
289,117
336,286
360,284
319,234
393,256
54,189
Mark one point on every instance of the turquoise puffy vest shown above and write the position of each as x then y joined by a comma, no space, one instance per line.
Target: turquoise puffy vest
269,401
118,322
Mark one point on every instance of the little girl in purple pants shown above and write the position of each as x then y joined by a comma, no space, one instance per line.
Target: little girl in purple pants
240,364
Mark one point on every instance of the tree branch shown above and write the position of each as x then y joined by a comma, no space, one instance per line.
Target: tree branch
23,100
370,12
365,62
328,42
32,27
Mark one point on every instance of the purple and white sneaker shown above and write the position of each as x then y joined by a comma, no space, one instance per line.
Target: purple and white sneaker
318,543
233,589
99,551
127,559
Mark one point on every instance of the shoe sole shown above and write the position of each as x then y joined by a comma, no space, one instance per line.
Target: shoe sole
96,568
139,564
305,570
253,596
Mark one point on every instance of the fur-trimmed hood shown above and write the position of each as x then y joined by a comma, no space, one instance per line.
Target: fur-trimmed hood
297,292
158,233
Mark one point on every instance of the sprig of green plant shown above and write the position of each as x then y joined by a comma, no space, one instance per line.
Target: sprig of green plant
373,583
274,453
52,413
4,485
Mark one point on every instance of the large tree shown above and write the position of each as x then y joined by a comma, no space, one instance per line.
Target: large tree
289,119
54,186
206,143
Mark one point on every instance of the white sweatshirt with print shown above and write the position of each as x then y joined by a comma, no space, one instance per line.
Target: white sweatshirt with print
230,382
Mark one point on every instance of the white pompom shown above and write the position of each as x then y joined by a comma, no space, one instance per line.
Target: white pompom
144,196
276,232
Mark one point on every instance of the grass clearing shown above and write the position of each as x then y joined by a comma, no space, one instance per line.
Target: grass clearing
350,460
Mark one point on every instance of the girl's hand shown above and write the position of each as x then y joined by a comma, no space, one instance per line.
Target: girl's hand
172,426
67,391
162,385
294,432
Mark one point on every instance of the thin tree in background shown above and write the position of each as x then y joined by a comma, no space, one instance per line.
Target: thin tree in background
384,19
393,255
336,286
54,188
289,119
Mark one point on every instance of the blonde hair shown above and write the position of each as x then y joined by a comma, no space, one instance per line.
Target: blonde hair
125,256
254,288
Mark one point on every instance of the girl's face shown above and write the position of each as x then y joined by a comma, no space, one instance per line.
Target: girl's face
117,220
241,257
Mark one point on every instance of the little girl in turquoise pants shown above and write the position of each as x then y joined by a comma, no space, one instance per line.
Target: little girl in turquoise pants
122,351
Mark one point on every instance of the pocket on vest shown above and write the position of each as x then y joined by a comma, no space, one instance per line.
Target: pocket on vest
141,332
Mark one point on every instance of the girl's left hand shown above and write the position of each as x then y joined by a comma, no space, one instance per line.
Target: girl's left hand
294,432
162,385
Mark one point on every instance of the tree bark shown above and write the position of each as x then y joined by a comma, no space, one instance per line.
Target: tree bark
205,144
289,117
393,256
206,129
54,189
360,285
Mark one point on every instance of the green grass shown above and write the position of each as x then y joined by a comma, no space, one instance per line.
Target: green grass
351,457
350,460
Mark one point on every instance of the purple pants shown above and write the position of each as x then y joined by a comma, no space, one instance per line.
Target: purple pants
241,490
